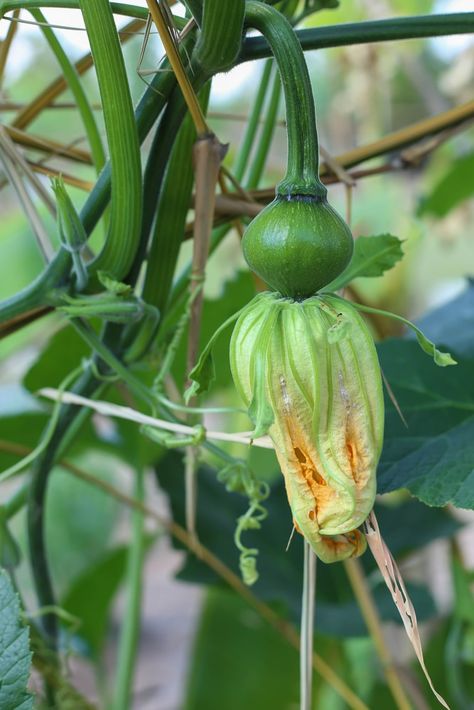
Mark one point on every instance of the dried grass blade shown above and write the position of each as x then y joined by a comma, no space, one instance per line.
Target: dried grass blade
393,399
17,157
86,185
7,43
393,579
13,173
48,146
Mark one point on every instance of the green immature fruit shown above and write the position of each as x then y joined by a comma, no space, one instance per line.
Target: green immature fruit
309,374
298,245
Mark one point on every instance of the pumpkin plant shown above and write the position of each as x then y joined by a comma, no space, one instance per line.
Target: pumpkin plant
125,306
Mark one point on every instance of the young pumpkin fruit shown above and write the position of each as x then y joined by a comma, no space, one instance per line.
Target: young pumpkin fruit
309,374
298,245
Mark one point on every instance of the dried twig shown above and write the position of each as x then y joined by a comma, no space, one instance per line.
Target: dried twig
114,410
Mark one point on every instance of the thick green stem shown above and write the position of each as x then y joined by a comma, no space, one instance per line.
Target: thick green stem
123,235
341,35
170,219
86,386
157,163
40,292
302,174
149,108
131,621
221,34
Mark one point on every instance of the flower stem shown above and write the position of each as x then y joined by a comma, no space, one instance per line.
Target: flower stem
301,177
307,627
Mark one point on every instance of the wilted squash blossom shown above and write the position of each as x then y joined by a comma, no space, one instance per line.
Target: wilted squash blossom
308,372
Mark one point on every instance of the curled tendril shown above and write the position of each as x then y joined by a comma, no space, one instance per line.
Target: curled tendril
239,478
92,364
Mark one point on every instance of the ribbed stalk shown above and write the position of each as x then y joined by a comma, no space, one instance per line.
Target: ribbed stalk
221,34
170,219
40,292
301,176
157,163
149,108
341,35
86,386
123,234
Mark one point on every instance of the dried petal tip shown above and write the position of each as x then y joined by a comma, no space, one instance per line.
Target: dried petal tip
309,372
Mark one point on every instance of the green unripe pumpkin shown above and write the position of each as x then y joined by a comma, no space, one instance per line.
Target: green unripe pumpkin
298,245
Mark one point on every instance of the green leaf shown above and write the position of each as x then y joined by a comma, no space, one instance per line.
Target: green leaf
434,456
203,373
15,655
372,257
454,187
